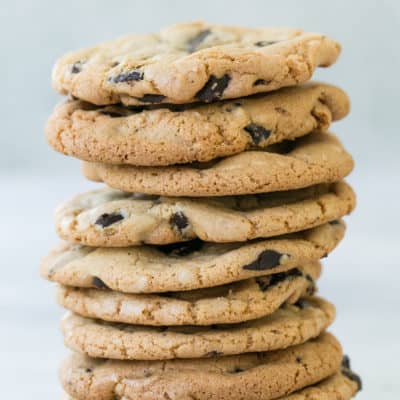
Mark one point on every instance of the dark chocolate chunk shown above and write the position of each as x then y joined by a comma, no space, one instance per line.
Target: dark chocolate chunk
213,354
257,132
151,98
353,376
264,43
111,114
194,42
268,259
98,283
179,221
312,288
266,282
260,82
127,77
302,304
213,89
108,219
181,249
346,362
76,67
282,276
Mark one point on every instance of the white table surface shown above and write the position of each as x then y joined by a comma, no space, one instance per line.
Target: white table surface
361,278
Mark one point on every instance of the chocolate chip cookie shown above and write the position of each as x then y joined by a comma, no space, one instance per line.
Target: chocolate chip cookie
111,218
310,160
186,266
289,325
252,376
193,62
232,303
173,135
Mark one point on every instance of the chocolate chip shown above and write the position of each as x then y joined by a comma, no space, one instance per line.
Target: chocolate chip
194,42
353,376
346,362
267,282
213,354
312,287
98,283
181,249
76,67
299,360
257,132
111,114
151,98
260,82
268,259
108,219
282,276
302,304
179,221
213,89
127,77
264,43
237,370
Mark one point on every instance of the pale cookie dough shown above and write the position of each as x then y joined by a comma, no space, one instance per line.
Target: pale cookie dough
165,136
309,160
186,266
193,62
252,376
288,326
111,218
232,303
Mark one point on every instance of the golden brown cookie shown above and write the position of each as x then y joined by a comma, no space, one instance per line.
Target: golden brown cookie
289,325
232,303
310,160
176,135
193,62
111,218
252,376
186,266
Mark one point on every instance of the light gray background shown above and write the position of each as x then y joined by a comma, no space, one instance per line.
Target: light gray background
361,277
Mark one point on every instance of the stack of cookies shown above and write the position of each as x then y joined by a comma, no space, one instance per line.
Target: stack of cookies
192,274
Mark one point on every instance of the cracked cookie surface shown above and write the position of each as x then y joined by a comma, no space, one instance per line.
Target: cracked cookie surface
192,62
111,218
188,265
309,160
336,387
165,135
291,324
232,303
252,376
